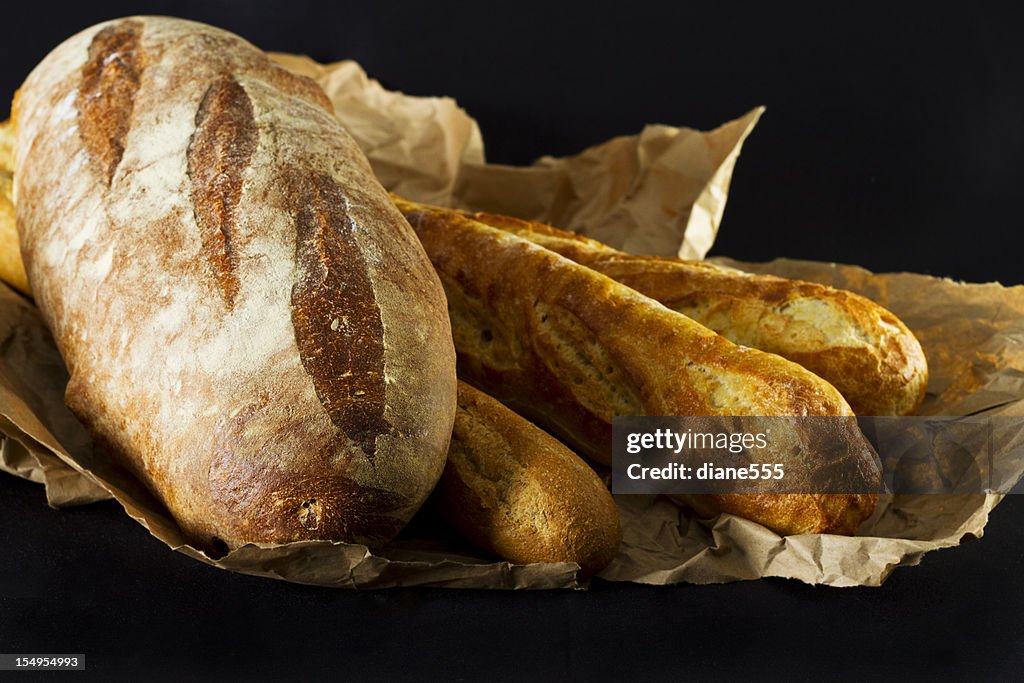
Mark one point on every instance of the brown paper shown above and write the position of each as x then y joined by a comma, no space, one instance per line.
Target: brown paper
662,191
416,145
973,337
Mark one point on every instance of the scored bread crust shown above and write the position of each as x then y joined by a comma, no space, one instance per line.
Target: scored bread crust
570,348
513,489
861,348
250,326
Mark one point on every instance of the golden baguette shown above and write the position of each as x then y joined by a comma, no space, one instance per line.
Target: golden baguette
862,349
513,489
12,270
570,349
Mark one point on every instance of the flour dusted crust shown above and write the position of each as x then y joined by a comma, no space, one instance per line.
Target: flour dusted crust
250,325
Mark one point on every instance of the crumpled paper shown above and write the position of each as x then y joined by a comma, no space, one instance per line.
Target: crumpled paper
662,191
973,337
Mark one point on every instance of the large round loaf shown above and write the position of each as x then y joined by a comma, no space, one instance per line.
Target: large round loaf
250,325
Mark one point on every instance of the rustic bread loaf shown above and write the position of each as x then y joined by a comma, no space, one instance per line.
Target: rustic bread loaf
250,325
515,490
570,349
862,349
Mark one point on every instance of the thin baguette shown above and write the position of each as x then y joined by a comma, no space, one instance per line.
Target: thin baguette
12,270
513,489
570,349
861,348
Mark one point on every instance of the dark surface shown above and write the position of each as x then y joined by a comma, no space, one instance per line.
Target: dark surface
90,580
892,140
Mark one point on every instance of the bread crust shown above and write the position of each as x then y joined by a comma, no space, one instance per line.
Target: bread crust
12,270
861,348
513,489
570,348
250,326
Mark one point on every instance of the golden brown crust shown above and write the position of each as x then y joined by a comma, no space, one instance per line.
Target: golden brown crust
110,81
242,311
322,499
865,351
512,489
12,270
790,514
338,328
570,348
219,154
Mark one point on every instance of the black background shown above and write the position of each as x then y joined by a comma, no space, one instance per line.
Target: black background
892,139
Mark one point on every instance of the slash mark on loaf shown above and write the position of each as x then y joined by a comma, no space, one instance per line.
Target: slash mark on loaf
219,152
110,81
338,328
